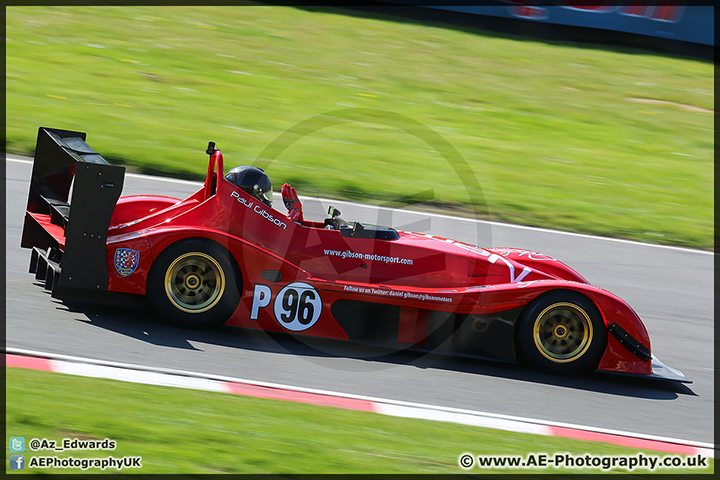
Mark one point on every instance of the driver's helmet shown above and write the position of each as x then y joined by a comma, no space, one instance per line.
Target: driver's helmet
253,180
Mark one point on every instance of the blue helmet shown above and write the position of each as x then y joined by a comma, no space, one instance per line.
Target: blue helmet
253,181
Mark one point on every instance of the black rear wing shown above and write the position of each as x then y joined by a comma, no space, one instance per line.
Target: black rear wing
73,192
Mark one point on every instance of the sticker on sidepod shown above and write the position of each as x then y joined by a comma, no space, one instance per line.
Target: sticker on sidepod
297,306
126,261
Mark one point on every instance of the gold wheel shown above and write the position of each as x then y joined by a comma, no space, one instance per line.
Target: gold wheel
194,282
563,332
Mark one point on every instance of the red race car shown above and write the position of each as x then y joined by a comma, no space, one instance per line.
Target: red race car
224,255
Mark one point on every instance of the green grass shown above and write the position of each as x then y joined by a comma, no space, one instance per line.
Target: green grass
558,135
188,431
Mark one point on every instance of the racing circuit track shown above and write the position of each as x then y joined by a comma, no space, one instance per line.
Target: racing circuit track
670,288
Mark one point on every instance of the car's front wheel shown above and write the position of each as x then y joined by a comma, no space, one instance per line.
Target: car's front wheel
562,332
194,283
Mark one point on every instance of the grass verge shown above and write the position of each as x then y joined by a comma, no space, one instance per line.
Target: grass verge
187,431
615,143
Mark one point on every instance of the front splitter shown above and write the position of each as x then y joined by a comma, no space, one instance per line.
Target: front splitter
662,371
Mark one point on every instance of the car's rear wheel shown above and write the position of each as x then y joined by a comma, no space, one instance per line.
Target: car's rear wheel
562,332
194,283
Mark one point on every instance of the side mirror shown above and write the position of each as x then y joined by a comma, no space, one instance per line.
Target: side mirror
211,148
333,212
358,227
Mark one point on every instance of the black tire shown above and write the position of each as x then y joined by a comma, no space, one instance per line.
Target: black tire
194,284
562,333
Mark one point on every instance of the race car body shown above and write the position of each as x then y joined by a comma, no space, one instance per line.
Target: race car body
221,256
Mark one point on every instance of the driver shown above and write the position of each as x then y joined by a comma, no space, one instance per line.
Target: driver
255,182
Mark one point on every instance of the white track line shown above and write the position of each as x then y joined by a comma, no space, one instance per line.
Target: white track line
18,159
144,374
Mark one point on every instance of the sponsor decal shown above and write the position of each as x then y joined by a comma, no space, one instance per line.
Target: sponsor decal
521,253
471,248
368,256
494,257
126,261
513,279
396,293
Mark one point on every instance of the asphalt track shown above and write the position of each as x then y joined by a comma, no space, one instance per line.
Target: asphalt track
670,288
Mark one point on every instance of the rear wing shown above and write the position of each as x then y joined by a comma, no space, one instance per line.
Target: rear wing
73,192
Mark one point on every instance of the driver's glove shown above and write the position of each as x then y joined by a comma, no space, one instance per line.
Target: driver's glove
292,203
